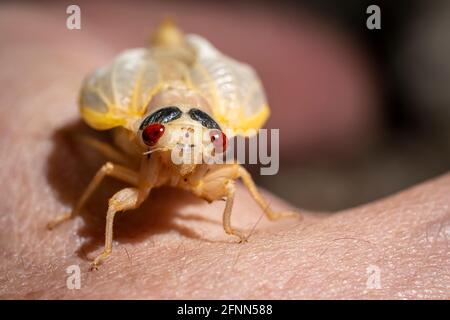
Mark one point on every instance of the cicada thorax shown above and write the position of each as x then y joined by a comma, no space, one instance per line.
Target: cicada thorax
177,94
190,68
167,96
177,70
128,142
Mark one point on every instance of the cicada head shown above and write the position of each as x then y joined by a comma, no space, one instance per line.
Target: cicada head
190,135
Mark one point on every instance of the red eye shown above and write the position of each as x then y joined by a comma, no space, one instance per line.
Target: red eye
219,139
152,133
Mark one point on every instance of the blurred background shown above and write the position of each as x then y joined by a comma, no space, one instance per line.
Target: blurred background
362,113
400,130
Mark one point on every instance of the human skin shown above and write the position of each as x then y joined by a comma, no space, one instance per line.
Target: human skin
174,245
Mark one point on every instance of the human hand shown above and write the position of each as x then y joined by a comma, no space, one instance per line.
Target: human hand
174,245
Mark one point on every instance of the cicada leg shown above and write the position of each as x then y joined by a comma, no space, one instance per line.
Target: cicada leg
108,169
104,148
250,185
125,199
214,181
227,213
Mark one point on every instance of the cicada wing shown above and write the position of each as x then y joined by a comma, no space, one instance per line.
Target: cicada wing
232,88
113,95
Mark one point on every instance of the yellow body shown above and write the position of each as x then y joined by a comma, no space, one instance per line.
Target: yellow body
122,92
182,71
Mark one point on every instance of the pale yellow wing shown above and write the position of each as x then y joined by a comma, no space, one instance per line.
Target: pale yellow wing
232,88
119,92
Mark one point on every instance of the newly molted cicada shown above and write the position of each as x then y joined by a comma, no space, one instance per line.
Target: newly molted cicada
181,93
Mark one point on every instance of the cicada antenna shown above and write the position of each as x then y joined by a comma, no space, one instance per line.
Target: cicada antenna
153,150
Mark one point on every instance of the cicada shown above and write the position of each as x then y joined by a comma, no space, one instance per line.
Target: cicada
179,92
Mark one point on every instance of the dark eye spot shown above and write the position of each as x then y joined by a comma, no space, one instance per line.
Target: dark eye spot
163,115
203,118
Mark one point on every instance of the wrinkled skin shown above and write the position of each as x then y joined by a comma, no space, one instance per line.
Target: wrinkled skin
174,245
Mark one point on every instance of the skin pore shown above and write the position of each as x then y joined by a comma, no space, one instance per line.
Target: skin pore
174,246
